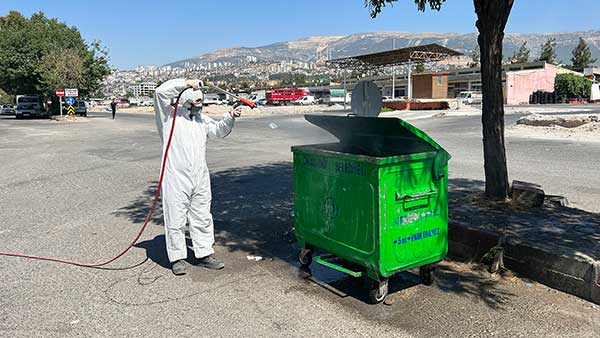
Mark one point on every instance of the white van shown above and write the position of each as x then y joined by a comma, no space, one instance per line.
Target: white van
305,100
470,97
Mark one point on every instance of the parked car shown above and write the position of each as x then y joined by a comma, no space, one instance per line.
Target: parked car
29,106
7,110
306,100
470,97
261,102
80,108
210,99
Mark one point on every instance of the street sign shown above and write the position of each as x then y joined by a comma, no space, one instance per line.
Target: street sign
60,92
71,110
70,101
73,92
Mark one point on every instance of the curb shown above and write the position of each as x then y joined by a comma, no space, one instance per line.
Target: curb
576,275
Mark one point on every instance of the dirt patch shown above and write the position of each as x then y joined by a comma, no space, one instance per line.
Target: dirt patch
68,119
565,121
581,127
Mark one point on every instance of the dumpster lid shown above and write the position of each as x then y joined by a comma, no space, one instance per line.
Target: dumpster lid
377,136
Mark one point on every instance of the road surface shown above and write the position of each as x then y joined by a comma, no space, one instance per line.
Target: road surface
81,191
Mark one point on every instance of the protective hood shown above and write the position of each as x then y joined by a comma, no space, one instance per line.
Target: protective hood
189,97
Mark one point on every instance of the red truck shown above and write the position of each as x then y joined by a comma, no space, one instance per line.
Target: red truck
285,95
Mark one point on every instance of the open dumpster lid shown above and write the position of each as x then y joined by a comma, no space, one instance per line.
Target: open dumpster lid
379,137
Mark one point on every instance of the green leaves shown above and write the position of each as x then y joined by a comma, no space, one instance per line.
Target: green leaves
522,55
582,56
40,55
572,86
375,6
548,51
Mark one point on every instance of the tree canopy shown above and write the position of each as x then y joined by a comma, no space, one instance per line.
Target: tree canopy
522,55
375,6
582,56
492,16
40,55
548,51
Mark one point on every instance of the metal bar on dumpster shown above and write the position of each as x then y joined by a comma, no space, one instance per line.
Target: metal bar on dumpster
322,261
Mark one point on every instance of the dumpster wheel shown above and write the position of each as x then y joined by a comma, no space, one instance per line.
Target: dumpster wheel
378,292
426,273
305,257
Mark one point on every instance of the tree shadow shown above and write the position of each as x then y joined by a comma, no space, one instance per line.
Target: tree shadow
252,213
476,283
551,227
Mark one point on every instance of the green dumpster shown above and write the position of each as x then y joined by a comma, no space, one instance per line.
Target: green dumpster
376,199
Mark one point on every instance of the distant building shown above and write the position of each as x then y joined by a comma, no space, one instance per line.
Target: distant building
519,82
142,89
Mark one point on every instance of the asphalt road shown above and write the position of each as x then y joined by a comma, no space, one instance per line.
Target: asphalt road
81,191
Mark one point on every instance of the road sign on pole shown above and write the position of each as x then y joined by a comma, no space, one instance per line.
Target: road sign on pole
70,101
72,92
60,92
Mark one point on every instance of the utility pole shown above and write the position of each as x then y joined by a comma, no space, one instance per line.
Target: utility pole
409,94
345,90
393,73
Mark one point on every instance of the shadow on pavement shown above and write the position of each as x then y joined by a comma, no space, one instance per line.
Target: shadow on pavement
251,210
569,231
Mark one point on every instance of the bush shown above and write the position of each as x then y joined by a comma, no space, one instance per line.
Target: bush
572,86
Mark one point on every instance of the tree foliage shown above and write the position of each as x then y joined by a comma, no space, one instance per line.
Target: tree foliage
6,98
475,56
549,51
522,55
375,6
572,86
61,69
35,52
492,16
582,56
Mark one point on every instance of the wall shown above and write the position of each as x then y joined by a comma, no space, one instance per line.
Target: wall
422,86
521,84
439,86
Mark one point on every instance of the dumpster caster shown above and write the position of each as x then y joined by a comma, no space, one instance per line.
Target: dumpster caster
305,257
426,273
378,292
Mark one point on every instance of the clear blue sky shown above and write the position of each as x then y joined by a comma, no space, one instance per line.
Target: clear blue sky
156,32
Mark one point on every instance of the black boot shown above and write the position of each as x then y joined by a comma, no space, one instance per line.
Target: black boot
178,267
210,262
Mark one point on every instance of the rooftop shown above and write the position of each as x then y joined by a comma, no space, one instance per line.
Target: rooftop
395,57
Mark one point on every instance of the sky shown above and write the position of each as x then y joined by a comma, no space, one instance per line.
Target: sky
156,32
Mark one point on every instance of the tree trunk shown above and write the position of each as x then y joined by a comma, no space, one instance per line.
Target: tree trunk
492,17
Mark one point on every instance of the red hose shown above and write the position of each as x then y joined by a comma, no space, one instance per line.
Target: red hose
148,217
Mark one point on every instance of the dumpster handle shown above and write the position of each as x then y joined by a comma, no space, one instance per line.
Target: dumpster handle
415,196
322,261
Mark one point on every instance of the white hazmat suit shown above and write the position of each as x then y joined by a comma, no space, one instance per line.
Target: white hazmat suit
186,193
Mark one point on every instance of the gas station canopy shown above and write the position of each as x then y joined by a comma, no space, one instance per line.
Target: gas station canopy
425,53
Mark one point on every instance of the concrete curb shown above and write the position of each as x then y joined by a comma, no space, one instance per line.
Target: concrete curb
576,275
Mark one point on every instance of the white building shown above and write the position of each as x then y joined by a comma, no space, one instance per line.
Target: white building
142,89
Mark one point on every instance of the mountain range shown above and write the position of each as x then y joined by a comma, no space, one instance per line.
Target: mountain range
308,49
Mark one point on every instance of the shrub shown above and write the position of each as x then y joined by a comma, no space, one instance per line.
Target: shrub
572,86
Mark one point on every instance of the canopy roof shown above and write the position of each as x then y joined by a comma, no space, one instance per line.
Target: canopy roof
395,57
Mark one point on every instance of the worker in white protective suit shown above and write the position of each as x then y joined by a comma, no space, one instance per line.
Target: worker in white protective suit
186,193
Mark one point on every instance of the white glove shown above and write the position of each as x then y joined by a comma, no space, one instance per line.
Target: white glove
194,84
237,112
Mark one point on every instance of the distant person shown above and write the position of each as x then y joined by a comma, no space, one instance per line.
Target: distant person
113,107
